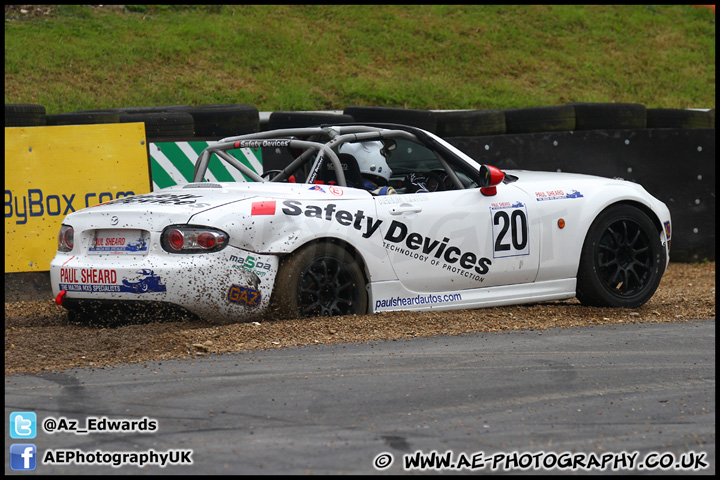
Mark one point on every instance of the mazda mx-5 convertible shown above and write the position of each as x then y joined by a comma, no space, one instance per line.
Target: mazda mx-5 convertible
362,219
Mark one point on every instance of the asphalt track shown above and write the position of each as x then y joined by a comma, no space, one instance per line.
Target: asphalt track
639,388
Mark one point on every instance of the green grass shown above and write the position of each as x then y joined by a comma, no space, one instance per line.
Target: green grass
295,57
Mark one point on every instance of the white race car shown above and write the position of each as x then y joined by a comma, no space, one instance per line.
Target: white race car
362,219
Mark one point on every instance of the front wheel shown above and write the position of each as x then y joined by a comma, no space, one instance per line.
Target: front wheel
320,279
622,259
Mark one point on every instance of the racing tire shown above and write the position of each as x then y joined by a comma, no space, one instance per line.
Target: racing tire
320,279
622,259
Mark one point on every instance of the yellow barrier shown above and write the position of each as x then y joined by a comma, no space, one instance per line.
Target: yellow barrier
53,171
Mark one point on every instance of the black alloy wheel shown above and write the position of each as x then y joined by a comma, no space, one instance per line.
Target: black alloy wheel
622,260
321,279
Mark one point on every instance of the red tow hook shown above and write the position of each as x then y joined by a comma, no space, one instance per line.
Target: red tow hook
60,297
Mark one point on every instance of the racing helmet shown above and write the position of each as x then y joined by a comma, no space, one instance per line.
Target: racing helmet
369,158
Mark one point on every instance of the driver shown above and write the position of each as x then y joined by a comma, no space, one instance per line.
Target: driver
373,166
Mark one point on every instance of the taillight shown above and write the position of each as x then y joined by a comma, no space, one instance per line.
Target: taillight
66,238
176,240
207,240
192,239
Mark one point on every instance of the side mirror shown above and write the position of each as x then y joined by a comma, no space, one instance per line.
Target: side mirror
490,177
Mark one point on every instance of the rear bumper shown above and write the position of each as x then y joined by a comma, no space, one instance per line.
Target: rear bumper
217,286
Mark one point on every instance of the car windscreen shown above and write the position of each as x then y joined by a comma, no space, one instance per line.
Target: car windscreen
411,157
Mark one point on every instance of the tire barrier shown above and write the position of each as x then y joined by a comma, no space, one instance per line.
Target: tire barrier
220,121
161,123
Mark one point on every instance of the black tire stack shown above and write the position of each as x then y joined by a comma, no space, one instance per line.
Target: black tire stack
172,122
226,120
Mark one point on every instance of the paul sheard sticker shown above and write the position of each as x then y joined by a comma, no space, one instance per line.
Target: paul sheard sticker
106,280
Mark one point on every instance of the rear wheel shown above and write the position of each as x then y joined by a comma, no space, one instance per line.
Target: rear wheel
320,279
622,260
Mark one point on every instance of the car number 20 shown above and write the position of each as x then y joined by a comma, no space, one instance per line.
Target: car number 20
510,232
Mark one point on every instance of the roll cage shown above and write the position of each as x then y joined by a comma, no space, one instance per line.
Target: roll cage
312,146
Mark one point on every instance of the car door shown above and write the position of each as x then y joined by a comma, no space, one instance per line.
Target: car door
460,239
